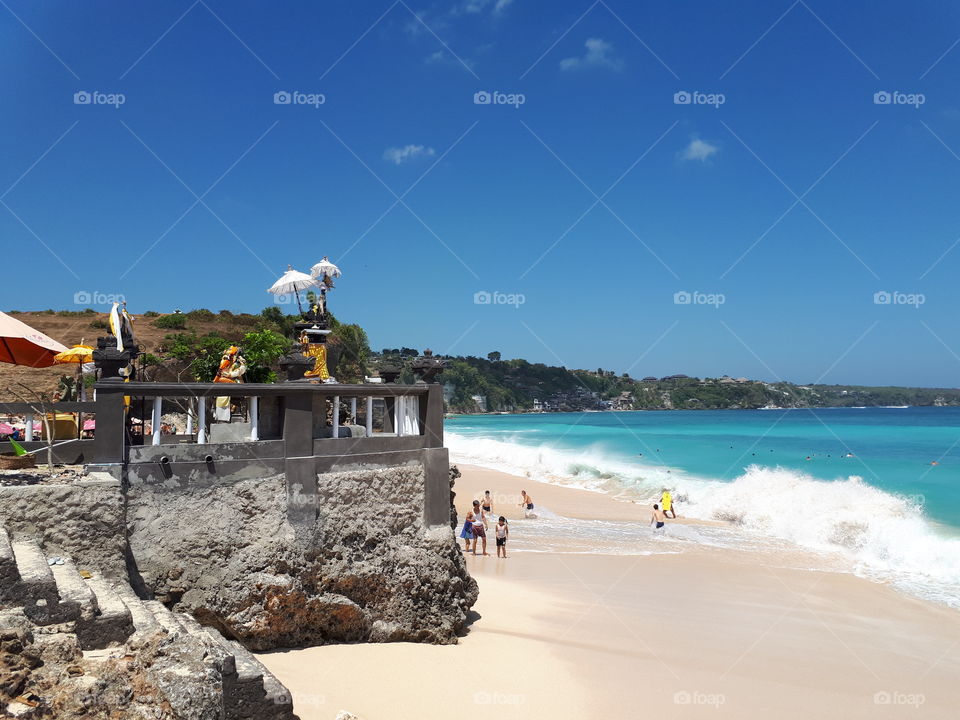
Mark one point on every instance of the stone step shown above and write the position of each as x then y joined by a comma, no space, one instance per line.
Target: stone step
36,590
276,698
73,588
144,621
250,691
213,641
111,621
165,618
8,565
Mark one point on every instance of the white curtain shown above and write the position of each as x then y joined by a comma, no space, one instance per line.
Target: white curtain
408,416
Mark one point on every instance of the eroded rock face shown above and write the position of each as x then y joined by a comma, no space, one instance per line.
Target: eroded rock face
369,569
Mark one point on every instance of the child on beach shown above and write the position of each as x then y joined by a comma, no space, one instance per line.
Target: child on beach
467,532
487,502
503,531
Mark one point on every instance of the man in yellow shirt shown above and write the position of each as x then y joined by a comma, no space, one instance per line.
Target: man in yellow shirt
666,502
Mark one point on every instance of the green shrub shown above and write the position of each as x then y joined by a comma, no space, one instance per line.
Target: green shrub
201,315
171,322
100,324
151,313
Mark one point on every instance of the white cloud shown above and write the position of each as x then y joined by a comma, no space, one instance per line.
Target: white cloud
474,7
398,155
599,54
698,150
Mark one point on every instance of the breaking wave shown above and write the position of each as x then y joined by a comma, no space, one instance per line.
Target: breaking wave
881,535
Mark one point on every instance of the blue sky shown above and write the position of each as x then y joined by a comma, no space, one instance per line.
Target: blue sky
779,210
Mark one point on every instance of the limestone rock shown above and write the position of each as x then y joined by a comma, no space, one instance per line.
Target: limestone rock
368,570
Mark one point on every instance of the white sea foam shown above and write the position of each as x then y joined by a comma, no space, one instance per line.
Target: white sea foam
878,534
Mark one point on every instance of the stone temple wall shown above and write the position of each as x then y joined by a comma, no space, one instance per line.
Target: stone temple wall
224,550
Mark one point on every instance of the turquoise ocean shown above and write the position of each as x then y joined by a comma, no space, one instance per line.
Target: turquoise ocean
875,491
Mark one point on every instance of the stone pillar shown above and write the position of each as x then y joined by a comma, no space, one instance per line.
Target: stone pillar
299,464
431,416
109,441
436,496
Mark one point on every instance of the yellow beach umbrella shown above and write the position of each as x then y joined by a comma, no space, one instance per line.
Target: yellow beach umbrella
78,354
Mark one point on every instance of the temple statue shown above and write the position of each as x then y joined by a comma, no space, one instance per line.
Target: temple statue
66,389
313,344
232,369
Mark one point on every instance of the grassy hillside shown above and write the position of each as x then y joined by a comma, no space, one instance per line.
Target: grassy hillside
185,346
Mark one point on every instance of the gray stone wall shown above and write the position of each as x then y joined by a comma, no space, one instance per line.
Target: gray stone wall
83,520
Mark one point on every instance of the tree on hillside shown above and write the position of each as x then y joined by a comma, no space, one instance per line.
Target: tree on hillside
354,352
494,356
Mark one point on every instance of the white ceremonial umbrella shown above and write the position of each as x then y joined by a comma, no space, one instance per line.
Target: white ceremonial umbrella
325,267
292,281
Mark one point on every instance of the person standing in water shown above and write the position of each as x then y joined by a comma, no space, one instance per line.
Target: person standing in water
487,502
658,517
666,500
526,502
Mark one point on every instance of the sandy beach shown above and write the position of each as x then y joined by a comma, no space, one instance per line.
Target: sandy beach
707,632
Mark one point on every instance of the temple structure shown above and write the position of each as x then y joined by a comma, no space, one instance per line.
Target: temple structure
324,517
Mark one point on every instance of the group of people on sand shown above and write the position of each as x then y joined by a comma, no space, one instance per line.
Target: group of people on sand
477,523
660,510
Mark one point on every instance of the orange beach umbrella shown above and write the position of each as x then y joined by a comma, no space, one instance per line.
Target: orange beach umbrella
20,344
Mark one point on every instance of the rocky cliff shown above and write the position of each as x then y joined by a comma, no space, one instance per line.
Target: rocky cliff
368,570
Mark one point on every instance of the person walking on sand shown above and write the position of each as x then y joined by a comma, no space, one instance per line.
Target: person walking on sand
479,527
503,532
658,517
467,532
526,502
666,500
